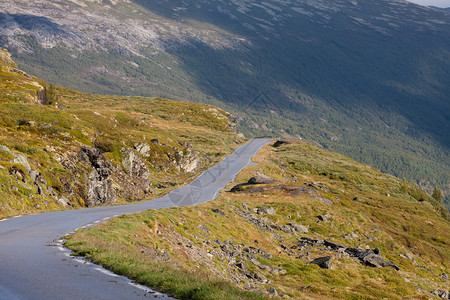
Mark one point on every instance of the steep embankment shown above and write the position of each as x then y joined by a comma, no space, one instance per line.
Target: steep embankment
375,236
61,149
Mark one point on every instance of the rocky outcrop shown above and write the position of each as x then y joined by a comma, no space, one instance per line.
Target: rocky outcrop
143,148
256,180
260,179
100,189
443,294
280,143
367,257
133,164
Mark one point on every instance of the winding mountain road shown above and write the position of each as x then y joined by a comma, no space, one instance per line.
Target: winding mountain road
34,265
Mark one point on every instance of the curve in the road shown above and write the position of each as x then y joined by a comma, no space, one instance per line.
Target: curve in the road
33,265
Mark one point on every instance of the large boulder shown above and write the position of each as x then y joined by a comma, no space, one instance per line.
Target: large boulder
323,262
259,179
265,211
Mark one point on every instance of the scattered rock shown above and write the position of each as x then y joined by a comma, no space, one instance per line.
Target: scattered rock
260,277
298,228
280,143
272,291
371,258
46,125
321,199
323,262
356,199
21,159
368,257
318,186
444,276
63,201
265,211
261,180
324,218
409,256
4,148
441,293
142,148
155,141
218,211
204,228
377,261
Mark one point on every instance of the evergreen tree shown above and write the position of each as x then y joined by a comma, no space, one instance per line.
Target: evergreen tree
437,194
52,98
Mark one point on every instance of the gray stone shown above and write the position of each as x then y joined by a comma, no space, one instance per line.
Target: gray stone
4,148
444,276
142,148
441,293
259,179
323,262
409,256
46,125
260,277
134,165
324,218
272,291
100,190
34,175
100,187
266,210
374,260
218,211
318,186
21,159
299,228
63,201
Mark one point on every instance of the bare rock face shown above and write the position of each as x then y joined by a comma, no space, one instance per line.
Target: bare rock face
134,164
134,184
100,189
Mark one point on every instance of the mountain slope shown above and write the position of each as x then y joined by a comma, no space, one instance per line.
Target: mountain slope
366,78
262,236
61,149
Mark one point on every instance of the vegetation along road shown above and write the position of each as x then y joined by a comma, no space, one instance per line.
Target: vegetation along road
34,265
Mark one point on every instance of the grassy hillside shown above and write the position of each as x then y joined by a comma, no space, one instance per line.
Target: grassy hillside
368,79
146,146
253,239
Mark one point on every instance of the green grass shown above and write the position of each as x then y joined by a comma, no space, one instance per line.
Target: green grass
397,222
110,123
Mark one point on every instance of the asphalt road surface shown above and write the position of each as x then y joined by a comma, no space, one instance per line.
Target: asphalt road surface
34,265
